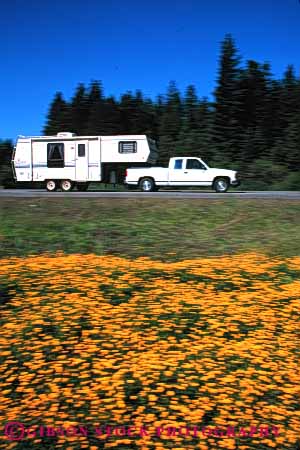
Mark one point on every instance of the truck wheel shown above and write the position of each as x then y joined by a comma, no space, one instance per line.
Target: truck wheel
66,185
221,185
51,185
147,185
82,187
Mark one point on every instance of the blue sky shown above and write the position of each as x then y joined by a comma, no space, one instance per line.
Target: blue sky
48,46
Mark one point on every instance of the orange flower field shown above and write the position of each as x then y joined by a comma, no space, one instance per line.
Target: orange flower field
100,352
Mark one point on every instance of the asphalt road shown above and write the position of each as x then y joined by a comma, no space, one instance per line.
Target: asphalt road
33,193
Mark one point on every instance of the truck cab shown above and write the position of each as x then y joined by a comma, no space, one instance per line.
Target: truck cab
188,171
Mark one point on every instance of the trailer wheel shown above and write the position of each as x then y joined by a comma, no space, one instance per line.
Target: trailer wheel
51,185
66,185
82,187
147,185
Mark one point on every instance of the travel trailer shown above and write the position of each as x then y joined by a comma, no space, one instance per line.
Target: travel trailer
66,160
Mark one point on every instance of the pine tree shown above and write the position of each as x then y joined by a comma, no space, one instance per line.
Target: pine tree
255,82
291,144
111,117
286,149
158,110
289,97
58,117
150,119
190,109
145,114
79,110
96,117
206,148
188,138
6,175
272,127
196,133
171,122
227,132
128,113
137,114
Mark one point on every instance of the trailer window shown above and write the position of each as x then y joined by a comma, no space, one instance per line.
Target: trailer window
55,155
81,150
128,147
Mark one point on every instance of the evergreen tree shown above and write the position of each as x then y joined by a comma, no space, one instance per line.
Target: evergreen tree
145,111
289,151
58,117
227,132
206,115
171,122
254,94
129,114
96,116
272,118
286,147
140,122
188,138
111,117
196,133
190,109
158,109
289,97
150,111
79,110
6,175
137,114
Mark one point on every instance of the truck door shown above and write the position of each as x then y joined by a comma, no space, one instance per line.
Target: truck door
196,174
81,160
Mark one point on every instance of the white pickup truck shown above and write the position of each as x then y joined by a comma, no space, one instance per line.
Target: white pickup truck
182,171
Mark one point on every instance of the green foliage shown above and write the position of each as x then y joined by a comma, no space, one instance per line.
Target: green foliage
290,182
136,114
6,175
79,110
227,130
171,123
59,116
196,129
264,174
196,228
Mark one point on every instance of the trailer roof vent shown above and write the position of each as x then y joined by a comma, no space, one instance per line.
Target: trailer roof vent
65,134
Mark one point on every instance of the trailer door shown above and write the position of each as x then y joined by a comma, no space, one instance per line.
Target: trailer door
81,159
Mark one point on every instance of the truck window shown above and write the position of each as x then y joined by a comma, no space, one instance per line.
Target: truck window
178,164
55,154
127,147
194,164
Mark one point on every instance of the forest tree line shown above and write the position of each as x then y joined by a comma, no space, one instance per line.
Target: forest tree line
252,124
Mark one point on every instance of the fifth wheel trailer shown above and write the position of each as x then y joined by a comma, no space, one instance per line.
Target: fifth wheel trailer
67,160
